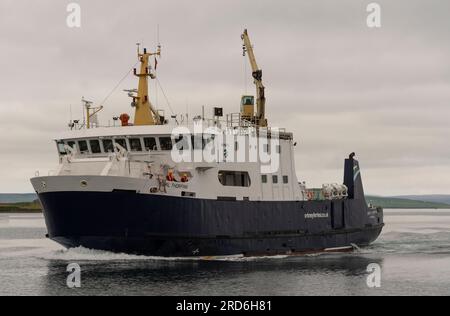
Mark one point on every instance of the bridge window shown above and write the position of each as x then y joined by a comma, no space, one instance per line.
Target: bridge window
121,142
61,148
165,143
285,179
234,178
108,145
95,146
71,144
150,144
84,149
182,142
197,142
207,140
135,144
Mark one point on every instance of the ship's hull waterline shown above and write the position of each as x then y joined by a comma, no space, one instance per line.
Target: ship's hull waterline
156,225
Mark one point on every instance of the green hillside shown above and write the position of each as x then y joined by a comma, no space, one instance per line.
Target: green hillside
388,202
23,207
435,198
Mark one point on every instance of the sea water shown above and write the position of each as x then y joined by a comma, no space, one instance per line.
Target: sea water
412,254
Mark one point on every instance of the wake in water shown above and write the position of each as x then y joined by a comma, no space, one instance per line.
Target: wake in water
84,254
389,243
48,250
437,243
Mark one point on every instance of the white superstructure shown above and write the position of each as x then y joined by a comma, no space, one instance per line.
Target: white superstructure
140,158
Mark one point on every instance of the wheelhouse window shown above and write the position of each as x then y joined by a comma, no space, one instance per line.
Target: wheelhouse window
200,141
121,142
61,148
108,146
72,144
135,144
182,142
165,143
197,142
234,178
95,146
150,144
83,145
208,140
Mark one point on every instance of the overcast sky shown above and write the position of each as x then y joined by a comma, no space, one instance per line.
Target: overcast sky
337,84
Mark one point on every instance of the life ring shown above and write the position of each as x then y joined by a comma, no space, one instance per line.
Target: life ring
310,195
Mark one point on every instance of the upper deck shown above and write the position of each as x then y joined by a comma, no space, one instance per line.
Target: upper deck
233,124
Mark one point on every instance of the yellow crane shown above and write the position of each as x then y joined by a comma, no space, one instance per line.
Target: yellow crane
247,103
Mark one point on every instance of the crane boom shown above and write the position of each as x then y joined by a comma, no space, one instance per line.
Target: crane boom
260,118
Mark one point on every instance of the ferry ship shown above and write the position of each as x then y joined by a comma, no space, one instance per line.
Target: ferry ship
145,187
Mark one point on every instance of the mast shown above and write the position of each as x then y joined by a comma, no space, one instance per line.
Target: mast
260,118
145,113
91,113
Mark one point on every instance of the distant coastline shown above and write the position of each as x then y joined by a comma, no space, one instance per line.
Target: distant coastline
22,207
420,202
28,203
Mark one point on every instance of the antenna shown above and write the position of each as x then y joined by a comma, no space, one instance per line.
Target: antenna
156,67
187,111
71,123
157,34
138,48
82,110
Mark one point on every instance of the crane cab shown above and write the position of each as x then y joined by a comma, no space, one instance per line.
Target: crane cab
248,106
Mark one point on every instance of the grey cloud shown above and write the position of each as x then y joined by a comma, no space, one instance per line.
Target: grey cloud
339,86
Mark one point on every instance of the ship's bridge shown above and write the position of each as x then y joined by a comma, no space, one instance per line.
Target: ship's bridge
154,138
135,139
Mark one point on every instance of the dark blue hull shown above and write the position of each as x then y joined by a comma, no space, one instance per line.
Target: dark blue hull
168,226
